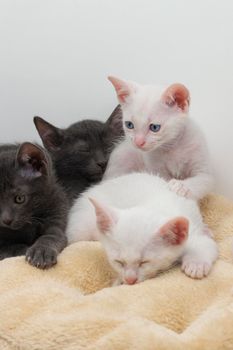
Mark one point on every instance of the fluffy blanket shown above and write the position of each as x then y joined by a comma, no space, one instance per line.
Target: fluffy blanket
71,306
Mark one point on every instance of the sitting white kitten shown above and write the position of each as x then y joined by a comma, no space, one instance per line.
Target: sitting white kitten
143,226
161,139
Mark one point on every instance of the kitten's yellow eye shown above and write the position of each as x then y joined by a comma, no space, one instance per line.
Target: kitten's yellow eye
143,262
120,262
19,199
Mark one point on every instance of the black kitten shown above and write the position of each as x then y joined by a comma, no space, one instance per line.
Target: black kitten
33,207
80,153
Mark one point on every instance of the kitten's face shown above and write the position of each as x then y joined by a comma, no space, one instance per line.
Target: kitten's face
21,171
138,244
15,209
152,117
83,148
139,262
84,151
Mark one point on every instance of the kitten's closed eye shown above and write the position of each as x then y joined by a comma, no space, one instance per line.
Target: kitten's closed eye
83,149
20,198
143,263
119,262
140,263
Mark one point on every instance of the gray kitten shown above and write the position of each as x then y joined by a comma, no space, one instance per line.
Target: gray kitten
80,152
33,206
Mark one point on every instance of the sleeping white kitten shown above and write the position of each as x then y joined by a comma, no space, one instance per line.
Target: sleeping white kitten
160,138
143,226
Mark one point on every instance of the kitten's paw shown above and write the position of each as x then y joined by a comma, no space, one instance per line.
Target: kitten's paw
195,269
41,257
179,187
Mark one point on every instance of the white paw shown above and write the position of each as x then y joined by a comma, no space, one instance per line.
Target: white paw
195,269
179,187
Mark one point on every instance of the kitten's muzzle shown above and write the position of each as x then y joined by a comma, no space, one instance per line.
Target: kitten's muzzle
139,141
7,222
6,219
100,169
131,280
102,165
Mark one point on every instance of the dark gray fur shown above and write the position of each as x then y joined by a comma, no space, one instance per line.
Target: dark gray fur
80,153
35,227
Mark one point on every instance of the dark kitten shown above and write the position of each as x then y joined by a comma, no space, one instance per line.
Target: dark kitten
80,153
33,207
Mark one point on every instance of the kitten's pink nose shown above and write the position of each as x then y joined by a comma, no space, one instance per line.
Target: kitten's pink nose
139,141
131,280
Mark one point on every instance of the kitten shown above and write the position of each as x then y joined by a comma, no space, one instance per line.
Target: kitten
33,207
161,139
144,227
80,153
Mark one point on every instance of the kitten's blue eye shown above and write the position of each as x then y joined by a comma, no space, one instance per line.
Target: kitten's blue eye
129,125
154,127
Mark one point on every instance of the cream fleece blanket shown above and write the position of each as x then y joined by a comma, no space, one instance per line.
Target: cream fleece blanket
70,307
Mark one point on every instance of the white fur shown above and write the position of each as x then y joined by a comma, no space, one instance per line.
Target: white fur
142,204
178,152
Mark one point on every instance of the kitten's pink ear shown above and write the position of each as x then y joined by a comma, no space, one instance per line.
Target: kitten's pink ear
122,87
32,161
175,231
106,217
177,95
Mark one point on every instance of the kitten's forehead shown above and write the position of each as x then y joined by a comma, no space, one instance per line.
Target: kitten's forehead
119,249
11,180
84,129
137,227
84,134
144,105
7,167
132,235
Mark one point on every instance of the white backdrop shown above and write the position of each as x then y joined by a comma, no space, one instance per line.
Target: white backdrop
55,56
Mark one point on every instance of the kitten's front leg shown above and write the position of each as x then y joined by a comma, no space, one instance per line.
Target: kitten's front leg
195,187
179,188
201,252
43,253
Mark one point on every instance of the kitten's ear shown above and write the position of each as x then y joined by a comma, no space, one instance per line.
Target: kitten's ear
106,217
123,88
114,122
51,136
177,95
175,231
32,161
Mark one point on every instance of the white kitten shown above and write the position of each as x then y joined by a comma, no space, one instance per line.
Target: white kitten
143,226
161,139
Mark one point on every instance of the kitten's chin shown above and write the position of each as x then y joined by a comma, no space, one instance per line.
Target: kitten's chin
13,227
95,177
146,148
16,226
